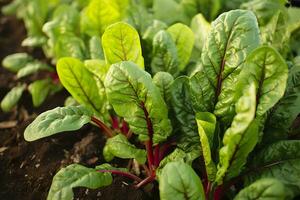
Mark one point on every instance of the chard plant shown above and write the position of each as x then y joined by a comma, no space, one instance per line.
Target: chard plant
231,109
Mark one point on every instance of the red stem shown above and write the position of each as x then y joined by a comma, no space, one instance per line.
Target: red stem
156,155
125,174
114,122
148,143
145,181
107,131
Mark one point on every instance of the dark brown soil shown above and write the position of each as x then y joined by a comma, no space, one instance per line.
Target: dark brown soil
27,169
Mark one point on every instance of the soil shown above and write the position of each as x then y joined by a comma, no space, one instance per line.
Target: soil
27,169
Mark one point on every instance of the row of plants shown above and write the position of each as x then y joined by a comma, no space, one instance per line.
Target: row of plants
170,92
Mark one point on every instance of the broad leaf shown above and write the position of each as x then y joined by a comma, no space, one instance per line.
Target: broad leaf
39,90
287,109
280,160
57,120
80,83
163,81
184,113
74,176
121,42
99,14
179,181
95,47
184,40
134,97
267,69
206,128
240,139
263,189
276,33
69,45
17,61
232,37
201,29
33,67
98,67
12,97
164,54
118,146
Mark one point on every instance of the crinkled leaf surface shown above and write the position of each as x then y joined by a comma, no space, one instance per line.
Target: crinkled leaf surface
178,181
287,109
76,176
263,189
206,128
267,69
57,120
119,146
232,37
164,80
12,97
164,54
183,109
184,40
121,42
80,83
17,61
134,96
239,140
279,160
39,90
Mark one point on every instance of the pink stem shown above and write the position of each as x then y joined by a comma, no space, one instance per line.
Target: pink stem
107,131
156,155
125,174
145,181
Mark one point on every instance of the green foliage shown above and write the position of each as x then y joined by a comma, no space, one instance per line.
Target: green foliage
121,42
12,97
57,120
76,176
134,97
120,147
179,181
17,61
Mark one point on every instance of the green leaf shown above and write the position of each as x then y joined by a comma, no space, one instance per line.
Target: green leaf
134,97
201,29
39,90
12,97
279,160
184,40
151,31
206,128
74,176
179,181
96,50
80,83
164,80
121,42
178,155
99,14
232,37
240,139
33,67
287,109
34,41
263,189
184,113
118,146
267,69
57,120
264,9
69,45
17,61
276,33
98,67
164,54
200,93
